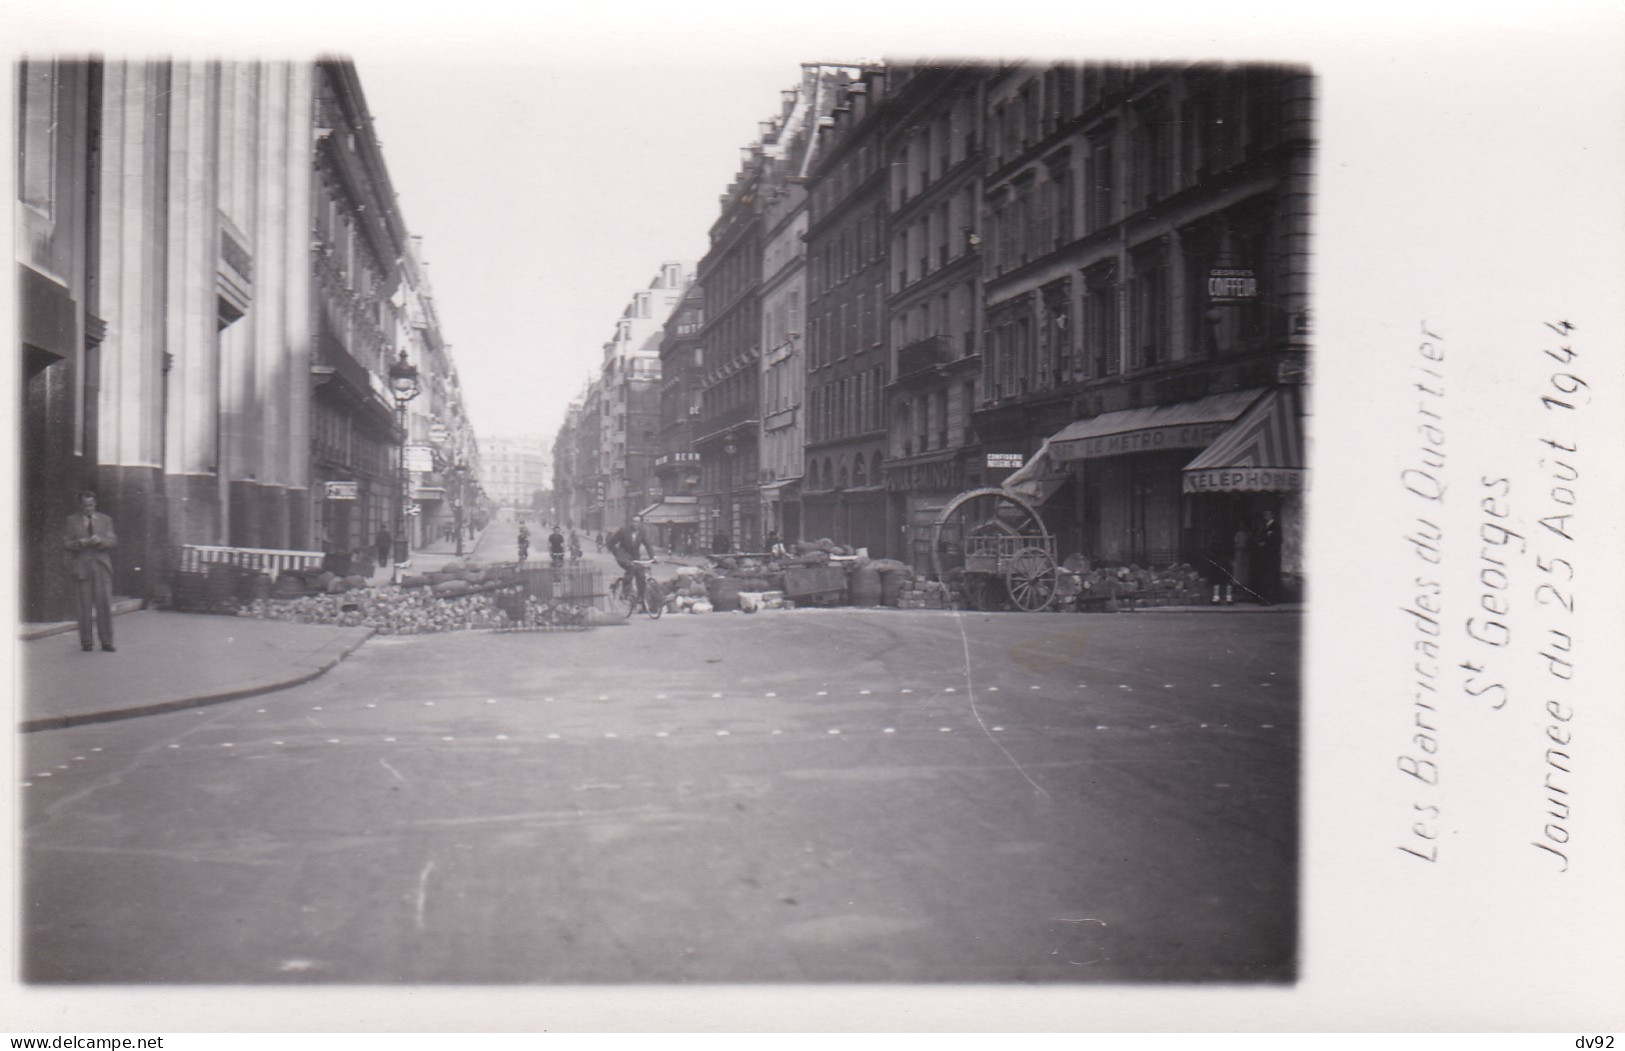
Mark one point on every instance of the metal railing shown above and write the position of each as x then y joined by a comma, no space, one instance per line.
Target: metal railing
196,558
548,599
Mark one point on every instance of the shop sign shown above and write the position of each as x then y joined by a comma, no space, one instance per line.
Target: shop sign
1003,461
1153,439
419,458
1226,285
1246,480
941,476
343,490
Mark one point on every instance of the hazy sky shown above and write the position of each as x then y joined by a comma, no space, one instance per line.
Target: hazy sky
547,193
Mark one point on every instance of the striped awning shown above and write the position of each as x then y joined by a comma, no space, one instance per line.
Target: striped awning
1262,452
1042,475
1182,425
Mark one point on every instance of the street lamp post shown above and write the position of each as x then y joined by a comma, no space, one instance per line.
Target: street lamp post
403,384
459,474
728,493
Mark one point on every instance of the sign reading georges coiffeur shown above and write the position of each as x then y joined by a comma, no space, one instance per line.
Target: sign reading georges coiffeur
1230,285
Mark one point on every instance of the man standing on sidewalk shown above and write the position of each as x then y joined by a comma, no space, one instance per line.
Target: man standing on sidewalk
89,540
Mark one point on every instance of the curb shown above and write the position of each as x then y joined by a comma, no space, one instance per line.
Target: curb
62,722
34,632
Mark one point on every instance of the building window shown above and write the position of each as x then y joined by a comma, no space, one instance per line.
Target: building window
1148,305
1101,188
1153,153
1099,347
1061,180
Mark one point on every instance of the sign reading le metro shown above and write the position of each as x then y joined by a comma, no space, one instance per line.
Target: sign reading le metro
1185,436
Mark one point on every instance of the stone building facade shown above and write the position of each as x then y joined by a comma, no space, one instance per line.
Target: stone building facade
211,258
1146,294
935,308
848,367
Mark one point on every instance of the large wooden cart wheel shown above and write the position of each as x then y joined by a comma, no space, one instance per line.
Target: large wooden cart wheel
1031,579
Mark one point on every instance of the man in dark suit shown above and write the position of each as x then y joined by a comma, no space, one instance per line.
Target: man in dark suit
1268,568
89,540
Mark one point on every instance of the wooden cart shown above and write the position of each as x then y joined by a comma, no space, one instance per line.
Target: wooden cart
992,543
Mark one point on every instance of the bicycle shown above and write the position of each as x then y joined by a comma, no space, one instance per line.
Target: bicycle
645,593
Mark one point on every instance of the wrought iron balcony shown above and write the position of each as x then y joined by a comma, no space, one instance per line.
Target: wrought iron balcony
933,350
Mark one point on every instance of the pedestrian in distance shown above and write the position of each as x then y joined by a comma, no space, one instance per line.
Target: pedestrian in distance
89,539
524,541
385,542
555,547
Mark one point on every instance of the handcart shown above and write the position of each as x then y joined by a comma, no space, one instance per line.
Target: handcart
992,543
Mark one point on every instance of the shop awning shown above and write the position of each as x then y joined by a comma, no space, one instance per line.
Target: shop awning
1038,479
1183,425
668,513
1262,452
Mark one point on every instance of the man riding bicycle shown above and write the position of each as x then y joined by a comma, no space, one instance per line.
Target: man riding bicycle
628,544
555,547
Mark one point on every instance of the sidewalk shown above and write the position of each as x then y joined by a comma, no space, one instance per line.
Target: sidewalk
170,661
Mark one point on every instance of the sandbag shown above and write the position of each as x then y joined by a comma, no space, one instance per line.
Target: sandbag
892,583
723,593
863,586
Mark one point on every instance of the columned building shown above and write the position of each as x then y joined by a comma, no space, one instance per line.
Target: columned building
934,146
59,116
848,260
1146,281
211,295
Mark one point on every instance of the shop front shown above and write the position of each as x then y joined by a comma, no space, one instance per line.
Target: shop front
674,523
1126,504
919,488
1248,487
